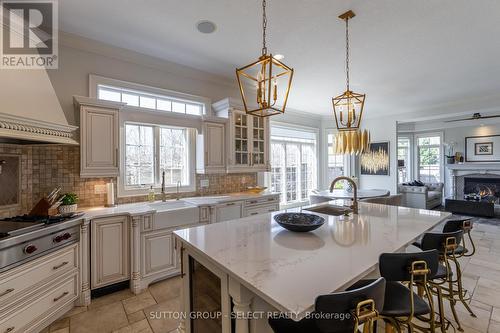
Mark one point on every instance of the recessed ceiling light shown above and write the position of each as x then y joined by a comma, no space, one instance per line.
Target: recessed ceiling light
206,27
279,57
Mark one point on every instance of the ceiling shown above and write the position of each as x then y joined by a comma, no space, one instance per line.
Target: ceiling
406,55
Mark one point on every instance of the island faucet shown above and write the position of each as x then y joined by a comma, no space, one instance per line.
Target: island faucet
354,206
163,195
178,185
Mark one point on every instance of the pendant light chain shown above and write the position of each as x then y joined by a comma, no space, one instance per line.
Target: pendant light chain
347,51
264,27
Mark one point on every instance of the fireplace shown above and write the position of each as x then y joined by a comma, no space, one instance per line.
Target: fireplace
482,189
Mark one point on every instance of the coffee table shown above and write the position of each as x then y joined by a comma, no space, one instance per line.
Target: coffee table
469,207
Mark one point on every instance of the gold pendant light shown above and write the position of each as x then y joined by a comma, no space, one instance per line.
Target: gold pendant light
348,110
268,80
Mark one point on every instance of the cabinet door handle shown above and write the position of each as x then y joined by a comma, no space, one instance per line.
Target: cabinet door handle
60,265
271,210
253,202
116,156
10,329
254,213
231,204
8,291
61,296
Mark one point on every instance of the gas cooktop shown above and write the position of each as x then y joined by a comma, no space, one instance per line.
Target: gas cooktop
16,225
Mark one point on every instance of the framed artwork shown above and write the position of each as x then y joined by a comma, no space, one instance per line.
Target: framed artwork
376,162
485,148
482,148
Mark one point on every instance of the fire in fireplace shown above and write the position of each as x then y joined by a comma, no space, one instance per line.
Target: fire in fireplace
484,189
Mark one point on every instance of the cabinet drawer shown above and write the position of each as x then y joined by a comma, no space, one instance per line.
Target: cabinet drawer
261,201
23,278
263,209
57,295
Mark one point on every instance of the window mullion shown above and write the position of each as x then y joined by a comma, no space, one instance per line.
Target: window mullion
156,158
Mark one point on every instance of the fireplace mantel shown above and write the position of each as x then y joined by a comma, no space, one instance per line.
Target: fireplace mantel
466,169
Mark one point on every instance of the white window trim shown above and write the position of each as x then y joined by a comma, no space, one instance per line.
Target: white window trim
130,191
416,157
411,153
96,80
316,132
347,158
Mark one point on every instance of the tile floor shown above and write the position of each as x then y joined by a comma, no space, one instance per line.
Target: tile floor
124,312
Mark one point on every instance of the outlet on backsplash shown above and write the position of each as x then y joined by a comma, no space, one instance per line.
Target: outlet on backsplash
204,183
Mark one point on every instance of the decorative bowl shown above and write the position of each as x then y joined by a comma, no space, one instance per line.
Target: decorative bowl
66,209
256,189
299,222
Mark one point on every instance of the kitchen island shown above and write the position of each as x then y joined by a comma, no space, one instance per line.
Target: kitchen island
236,272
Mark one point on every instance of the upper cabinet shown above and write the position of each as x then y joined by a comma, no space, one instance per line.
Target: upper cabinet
211,147
247,138
99,133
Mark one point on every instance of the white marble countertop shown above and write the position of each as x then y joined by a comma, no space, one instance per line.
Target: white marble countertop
141,208
217,199
288,270
343,194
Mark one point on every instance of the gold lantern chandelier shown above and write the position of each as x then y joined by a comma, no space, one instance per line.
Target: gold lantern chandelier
348,110
268,80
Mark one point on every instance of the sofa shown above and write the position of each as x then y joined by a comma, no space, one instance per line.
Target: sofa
428,196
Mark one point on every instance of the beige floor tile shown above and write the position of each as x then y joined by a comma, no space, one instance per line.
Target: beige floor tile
487,292
138,302
494,327
103,319
479,323
58,324
495,315
110,299
138,327
480,305
165,290
136,316
159,318
76,310
62,330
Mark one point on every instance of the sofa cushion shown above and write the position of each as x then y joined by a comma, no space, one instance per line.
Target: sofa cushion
433,195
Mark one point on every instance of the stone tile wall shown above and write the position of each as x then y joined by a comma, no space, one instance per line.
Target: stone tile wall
44,167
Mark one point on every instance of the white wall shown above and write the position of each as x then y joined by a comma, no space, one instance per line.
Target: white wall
80,57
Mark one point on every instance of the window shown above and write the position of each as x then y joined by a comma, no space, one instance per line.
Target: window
147,100
429,158
293,163
336,163
151,150
404,161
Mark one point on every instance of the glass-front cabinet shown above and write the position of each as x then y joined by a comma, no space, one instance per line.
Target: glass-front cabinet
247,138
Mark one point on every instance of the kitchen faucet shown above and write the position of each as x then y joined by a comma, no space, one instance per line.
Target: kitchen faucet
178,185
354,205
163,195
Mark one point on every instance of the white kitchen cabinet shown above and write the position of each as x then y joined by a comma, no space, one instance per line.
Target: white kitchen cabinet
158,254
99,133
109,251
228,211
211,148
247,140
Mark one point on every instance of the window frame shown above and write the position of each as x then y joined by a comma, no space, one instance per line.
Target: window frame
316,144
136,190
348,172
95,81
411,155
417,157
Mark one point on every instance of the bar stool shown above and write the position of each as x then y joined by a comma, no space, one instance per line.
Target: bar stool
446,245
466,226
341,312
404,272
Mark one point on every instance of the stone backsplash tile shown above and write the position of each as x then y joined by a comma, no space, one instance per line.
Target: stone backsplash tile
44,167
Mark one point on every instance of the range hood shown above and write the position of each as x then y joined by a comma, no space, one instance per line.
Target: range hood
30,110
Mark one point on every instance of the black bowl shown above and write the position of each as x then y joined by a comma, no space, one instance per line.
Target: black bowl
299,222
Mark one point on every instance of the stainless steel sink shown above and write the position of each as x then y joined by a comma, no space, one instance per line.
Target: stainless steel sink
329,210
